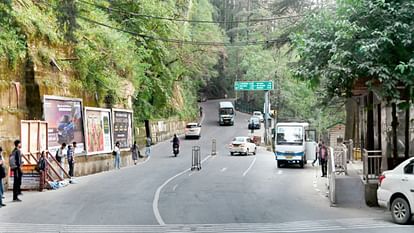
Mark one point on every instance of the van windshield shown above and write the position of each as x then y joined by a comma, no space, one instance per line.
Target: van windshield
289,135
226,111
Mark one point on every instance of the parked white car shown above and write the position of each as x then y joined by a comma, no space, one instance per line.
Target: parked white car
193,130
259,115
242,145
396,191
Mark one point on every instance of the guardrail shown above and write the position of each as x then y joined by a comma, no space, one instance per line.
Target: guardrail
372,160
331,177
340,159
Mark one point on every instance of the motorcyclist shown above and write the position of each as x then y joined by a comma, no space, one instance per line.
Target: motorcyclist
176,141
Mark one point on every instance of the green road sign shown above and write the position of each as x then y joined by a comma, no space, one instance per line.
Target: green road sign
253,86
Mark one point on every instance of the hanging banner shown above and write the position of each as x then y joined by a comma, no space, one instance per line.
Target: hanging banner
98,133
122,126
65,125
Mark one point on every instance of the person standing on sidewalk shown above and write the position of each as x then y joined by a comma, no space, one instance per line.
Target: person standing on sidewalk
135,152
148,143
60,157
117,154
323,157
15,164
41,165
2,175
71,158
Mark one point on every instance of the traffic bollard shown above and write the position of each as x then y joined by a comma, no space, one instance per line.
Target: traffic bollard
213,147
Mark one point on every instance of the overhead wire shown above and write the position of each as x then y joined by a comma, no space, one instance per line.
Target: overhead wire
188,20
179,41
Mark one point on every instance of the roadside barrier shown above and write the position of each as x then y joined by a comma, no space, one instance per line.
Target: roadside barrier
196,158
214,147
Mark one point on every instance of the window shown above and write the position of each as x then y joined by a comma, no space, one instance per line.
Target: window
289,135
409,169
226,111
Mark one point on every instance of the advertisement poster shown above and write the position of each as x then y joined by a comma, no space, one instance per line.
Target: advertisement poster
98,130
123,127
64,117
30,178
33,136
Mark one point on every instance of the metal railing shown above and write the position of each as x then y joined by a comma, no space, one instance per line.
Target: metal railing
372,160
331,177
340,159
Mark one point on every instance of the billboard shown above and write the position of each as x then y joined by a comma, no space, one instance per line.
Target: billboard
64,117
33,135
98,133
122,126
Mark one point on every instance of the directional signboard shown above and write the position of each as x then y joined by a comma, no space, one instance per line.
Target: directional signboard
253,86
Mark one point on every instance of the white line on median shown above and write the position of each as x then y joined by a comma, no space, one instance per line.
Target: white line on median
157,193
250,167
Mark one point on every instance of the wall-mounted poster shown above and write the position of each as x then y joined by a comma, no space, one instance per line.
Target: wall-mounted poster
98,132
65,125
122,125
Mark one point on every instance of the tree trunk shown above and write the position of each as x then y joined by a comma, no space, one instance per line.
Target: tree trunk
350,107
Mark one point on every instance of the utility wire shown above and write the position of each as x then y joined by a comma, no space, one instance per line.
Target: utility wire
187,20
178,41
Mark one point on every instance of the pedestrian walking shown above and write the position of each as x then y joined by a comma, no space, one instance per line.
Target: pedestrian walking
148,143
41,166
323,158
70,157
117,156
135,152
2,175
201,111
15,161
317,154
60,157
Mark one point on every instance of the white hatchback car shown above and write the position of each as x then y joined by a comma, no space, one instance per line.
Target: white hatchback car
396,191
242,145
193,130
259,115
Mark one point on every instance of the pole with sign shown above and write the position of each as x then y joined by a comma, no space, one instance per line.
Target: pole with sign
258,86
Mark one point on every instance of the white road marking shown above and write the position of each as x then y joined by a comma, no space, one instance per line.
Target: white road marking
280,172
158,192
175,187
223,169
299,226
191,173
250,167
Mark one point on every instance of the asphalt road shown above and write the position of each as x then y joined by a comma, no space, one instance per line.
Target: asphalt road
229,194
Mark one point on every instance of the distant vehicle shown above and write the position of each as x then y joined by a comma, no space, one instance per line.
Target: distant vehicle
242,145
254,123
396,191
294,143
202,98
226,113
259,115
193,130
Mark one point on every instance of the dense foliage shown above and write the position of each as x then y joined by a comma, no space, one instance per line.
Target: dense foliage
113,49
371,40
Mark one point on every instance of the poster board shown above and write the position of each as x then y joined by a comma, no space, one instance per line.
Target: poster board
30,177
98,130
65,124
33,136
122,127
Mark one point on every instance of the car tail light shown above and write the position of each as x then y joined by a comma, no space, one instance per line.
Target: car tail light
381,178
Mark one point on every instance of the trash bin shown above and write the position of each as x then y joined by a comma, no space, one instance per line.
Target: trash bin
357,154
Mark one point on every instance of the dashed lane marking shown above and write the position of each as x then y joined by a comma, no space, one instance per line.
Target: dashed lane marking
155,202
250,167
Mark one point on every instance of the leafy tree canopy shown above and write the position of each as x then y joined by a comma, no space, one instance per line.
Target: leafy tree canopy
372,40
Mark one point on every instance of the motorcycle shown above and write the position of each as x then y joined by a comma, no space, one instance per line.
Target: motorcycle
176,150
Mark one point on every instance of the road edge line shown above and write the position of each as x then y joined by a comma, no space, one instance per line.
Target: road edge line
156,199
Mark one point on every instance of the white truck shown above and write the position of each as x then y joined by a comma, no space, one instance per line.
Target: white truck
294,143
226,113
